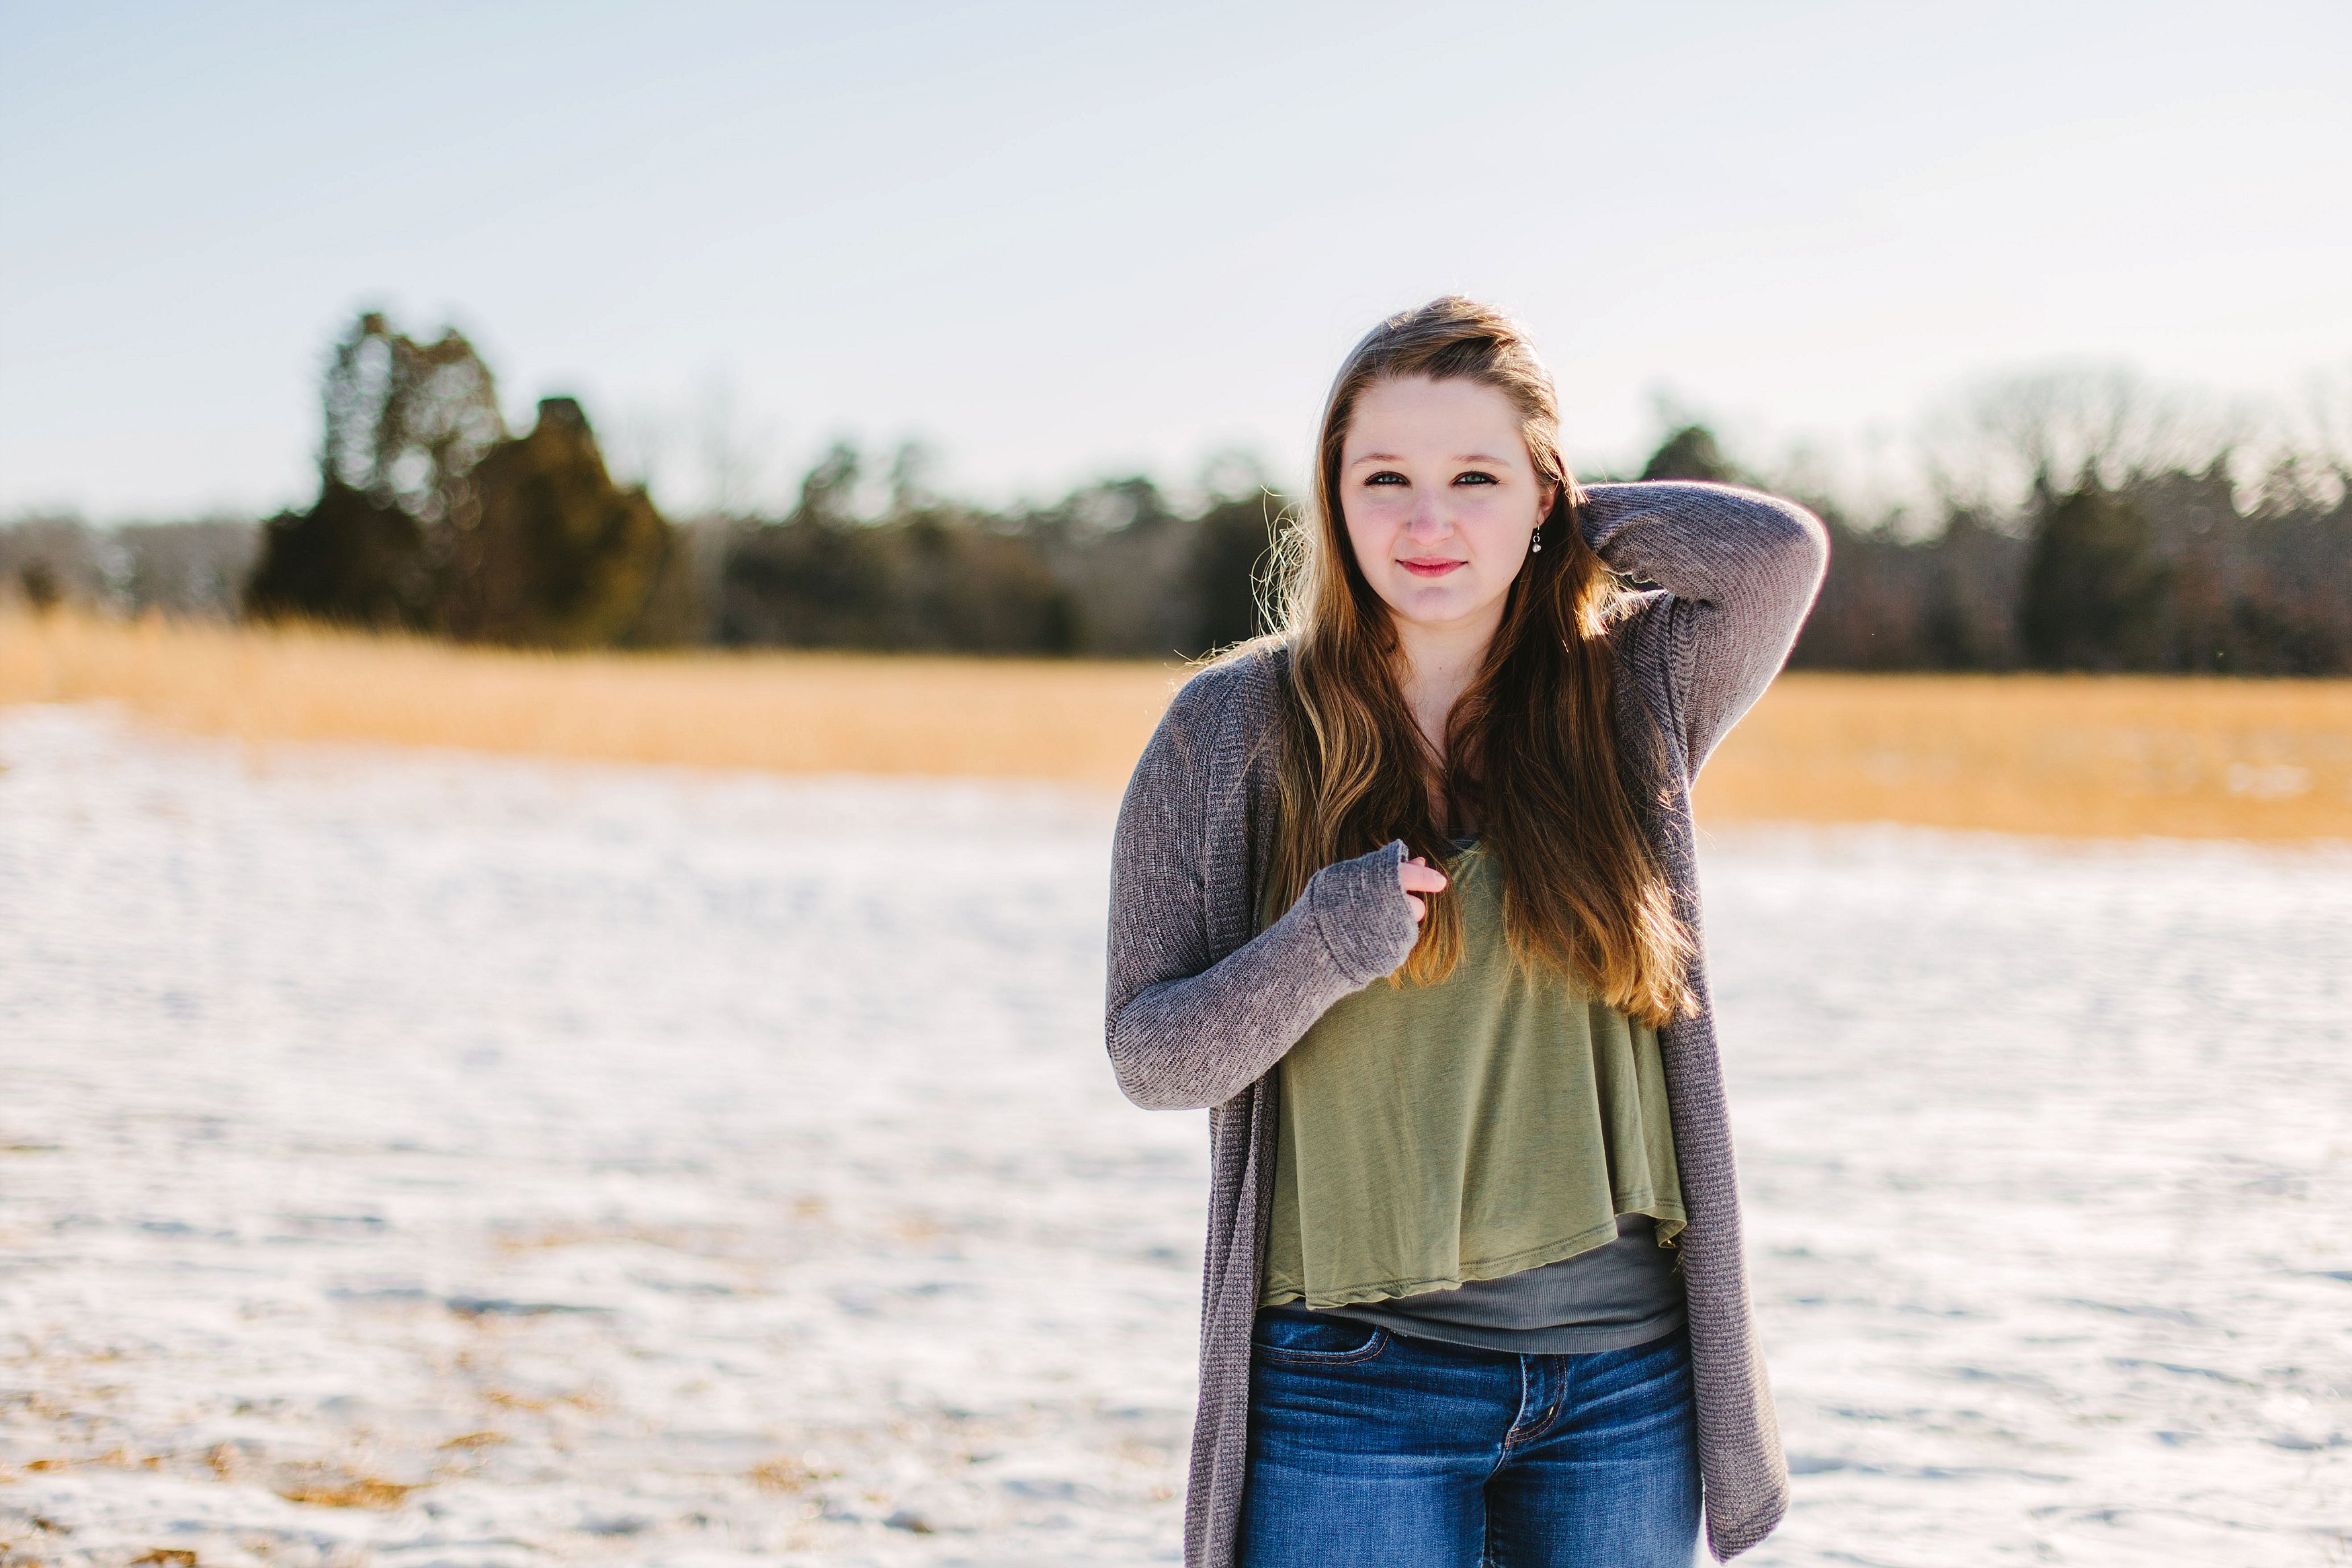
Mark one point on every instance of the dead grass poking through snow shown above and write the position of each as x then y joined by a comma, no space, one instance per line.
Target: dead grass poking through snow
2060,755
335,1489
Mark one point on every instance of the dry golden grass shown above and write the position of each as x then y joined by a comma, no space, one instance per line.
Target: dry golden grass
2081,755
2060,755
794,712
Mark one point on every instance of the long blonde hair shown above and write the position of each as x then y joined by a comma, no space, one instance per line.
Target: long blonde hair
1532,745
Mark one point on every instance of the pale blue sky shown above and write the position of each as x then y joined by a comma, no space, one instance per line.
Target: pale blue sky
1057,241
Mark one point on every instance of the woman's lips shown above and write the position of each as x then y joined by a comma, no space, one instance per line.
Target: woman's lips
1431,568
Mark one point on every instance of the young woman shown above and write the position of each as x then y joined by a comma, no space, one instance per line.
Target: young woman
1404,894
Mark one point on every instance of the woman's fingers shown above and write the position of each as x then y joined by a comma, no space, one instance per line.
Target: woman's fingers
1417,875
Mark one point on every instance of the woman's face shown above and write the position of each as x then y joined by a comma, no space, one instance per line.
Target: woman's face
1440,498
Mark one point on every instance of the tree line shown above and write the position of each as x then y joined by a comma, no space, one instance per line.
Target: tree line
2165,567
432,517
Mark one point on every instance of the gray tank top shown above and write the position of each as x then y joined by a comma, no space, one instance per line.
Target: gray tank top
1626,1292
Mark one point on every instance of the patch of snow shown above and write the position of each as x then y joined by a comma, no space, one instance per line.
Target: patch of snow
411,1158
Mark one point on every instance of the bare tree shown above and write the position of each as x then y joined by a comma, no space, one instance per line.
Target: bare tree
737,453
2325,430
640,445
406,420
913,465
1986,452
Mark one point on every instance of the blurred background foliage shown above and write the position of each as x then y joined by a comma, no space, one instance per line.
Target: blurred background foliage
2087,526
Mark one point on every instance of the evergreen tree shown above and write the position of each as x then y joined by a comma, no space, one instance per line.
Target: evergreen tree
1231,550
405,423
347,559
2094,591
1691,453
554,554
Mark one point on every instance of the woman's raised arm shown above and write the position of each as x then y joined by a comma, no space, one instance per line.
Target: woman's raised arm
1739,571
1185,1032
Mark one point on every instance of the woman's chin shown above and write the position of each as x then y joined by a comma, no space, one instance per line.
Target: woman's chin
1431,608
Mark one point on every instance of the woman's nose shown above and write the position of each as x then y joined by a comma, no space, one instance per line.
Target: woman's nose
1428,519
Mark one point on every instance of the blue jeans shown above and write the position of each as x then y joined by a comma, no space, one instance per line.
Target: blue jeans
1369,1449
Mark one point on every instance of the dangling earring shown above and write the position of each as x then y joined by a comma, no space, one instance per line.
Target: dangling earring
1535,546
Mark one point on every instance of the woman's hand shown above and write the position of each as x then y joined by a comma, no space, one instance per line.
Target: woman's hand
1417,875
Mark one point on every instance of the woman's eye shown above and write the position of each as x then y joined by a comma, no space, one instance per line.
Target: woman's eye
1474,477
1386,476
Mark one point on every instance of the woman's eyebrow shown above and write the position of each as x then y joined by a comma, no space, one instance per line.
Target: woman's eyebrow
1399,457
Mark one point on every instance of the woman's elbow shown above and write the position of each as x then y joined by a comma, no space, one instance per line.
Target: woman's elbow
1797,555
1157,1094
1148,1079
1786,530
1813,546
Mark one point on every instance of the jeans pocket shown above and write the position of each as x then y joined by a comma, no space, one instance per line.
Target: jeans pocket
1299,1337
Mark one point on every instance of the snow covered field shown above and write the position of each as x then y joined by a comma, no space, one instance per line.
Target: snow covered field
416,1159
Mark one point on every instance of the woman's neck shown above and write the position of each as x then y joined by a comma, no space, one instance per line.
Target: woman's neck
1436,663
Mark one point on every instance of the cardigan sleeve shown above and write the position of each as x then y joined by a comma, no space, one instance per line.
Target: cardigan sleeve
1186,1030
1738,570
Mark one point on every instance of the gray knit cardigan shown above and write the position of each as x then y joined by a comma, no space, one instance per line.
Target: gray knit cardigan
1202,1003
